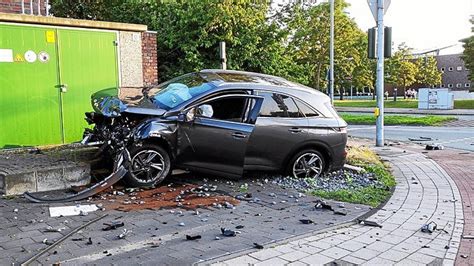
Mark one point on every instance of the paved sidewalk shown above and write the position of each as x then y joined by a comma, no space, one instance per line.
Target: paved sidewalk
460,166
424,193
407,111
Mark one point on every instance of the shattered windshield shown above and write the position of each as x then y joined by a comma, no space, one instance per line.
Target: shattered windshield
176,91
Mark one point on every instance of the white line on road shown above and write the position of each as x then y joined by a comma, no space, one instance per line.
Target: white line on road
359,128
455,140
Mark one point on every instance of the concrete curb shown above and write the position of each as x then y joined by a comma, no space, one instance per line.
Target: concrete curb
407,111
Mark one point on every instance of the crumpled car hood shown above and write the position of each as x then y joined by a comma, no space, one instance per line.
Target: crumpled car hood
107,103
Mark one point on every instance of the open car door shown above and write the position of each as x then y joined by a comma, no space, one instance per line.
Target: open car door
214,134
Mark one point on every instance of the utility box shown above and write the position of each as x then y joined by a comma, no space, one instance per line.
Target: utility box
439,98
49,67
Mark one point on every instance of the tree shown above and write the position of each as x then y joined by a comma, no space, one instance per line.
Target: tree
364,72
468,53
401,69
428,73
292,41
309,42
188,33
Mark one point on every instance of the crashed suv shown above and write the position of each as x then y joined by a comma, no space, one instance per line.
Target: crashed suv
222,123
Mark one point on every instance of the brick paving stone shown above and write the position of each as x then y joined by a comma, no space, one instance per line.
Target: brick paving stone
352,245
379,261
307,248
271,262
297,263
354,260
316,259
294,256
335,252
265,254
365,253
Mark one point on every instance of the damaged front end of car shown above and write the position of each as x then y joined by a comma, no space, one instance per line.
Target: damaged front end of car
112,132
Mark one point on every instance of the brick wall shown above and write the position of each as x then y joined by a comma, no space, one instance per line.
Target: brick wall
149,58
14,6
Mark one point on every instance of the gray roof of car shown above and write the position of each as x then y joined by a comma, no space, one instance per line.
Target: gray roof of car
243,79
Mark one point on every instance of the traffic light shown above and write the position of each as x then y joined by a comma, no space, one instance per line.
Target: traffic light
372,37
387,42
371,45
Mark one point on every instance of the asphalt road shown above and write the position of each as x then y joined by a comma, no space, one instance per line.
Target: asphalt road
453,137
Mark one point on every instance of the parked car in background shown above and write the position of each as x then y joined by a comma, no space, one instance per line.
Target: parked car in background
223,123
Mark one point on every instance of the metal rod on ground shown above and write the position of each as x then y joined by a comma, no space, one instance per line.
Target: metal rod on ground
331,53
59,241
223,55
379,141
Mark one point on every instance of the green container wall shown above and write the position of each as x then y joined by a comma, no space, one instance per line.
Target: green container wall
33,110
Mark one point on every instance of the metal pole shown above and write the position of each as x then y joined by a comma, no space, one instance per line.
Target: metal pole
23,7
223,55
331,53
379,141
47,7
31,7
39,7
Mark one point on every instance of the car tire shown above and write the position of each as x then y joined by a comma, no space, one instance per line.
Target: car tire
306,163
149,165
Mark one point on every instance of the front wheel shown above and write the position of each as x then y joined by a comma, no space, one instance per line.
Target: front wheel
149,165
307,163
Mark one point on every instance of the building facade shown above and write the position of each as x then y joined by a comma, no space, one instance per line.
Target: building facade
455,74
31,7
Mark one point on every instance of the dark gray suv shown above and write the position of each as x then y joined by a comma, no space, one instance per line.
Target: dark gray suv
223,123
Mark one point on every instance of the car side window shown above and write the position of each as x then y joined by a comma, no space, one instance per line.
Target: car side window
305,109
229,109
278,105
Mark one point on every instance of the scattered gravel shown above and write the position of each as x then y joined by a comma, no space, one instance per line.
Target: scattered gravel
342,179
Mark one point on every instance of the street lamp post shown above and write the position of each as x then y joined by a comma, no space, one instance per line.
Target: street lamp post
331,53
379,141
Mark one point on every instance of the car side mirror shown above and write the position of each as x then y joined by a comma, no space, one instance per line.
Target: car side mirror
190,115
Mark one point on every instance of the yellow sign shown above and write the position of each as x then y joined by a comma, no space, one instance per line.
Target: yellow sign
376,111
50,36
19,58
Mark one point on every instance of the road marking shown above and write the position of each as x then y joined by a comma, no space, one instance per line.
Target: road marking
359,128
455,140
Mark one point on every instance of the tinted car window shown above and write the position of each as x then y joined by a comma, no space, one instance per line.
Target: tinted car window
230,109
277,105
305,109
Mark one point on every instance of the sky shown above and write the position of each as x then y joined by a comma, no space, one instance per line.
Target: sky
421,24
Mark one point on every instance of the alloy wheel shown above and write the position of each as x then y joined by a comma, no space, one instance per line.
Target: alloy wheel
147,165
308,165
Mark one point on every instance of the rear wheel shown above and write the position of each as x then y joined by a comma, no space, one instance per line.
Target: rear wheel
149,165
307,163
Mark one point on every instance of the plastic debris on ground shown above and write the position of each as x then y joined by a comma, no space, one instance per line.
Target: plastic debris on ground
429,227
228,232
72,210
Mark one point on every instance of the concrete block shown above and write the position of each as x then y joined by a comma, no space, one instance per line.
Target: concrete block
16,184
56,177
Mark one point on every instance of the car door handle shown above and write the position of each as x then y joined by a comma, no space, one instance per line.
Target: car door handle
295,130
239,135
